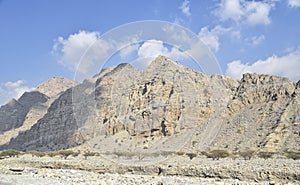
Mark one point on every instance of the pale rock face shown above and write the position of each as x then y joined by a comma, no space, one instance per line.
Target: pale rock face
168,100
20,115
55,86
261,115
13,114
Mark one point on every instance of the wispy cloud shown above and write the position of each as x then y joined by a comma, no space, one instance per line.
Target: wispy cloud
293,3
71,49
230,9
211,37
150,49
250,12
185,8
255,40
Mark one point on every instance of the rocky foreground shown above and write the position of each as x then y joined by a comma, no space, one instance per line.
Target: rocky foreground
28,169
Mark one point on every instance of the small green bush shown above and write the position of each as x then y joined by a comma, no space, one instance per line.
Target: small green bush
216,154
248,154
75,154
194,143
89,153
66,153
37,153
58,165
180,153
293,155
53,153
166,153
191,155
9,153
265,155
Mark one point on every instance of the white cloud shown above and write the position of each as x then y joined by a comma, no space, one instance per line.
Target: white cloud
256,40
153,48
230,9
258,13
125,52
287,66
71,50
85,52
211,37
185,8
250,12
150,49
11,90
294,3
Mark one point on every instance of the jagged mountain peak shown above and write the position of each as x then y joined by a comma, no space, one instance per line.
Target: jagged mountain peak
13,102
162,61
54,86
253,78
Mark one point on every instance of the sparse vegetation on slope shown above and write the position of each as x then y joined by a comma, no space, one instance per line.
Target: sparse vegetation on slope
265,155
293,155
89,153
191,155
37,153
9,153
216,154
248,154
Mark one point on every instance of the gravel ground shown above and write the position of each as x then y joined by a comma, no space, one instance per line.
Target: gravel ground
36,176
176,170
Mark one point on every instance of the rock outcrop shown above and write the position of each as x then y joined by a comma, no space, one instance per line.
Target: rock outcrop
20,115
55,86
13,114
262,114
167,106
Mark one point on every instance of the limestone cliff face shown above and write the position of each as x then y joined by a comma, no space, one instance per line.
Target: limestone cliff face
55,86
168,100
262,114
20,115
165,99
13,114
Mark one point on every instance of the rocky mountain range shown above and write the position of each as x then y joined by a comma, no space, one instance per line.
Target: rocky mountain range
165,107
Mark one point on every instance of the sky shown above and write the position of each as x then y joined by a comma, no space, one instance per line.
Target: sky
43,39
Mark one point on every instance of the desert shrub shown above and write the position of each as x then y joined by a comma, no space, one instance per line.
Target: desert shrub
216,154
131,154
53,153
57,165
89,153
205,153
75,154
166,153
248,154
180,153
9,153
191,155
37,153
66,153
265,155
194,143
293,155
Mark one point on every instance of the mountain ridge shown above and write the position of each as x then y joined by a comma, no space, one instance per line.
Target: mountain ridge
165,101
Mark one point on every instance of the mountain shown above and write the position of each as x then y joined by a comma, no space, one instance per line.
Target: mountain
20,115
165,107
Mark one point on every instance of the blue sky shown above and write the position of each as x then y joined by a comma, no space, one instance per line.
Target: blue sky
42,39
